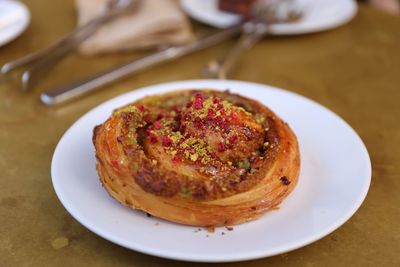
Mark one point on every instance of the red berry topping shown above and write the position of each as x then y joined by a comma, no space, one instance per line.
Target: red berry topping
197,123
166,141
198,103
153,138
221,147
210,113
176,109
176,159
114,162
147,119
157,125
233,139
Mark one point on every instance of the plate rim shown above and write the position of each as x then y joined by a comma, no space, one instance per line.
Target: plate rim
181,84
22,28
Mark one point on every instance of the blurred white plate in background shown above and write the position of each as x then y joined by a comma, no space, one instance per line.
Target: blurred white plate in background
14,19
319,15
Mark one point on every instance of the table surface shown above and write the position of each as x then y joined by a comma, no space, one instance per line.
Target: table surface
353,70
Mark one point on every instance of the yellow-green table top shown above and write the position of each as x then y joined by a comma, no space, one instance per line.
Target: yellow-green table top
353,70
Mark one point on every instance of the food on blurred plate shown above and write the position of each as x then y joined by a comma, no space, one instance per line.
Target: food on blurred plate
242,7
197,157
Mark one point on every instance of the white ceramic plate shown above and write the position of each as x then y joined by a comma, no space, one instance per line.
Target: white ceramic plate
319,15
334,180
14,19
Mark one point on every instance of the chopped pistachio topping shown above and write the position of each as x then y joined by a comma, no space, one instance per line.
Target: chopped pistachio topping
244,164
127,109
186,192
194,157
259,118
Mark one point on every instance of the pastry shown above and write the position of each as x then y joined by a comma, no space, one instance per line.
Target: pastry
197,157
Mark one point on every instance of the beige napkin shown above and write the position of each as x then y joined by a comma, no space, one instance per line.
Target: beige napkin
155,23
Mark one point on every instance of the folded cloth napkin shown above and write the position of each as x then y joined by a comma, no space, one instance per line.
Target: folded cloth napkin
155,23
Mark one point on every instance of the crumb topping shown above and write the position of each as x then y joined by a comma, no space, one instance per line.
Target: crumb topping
203,134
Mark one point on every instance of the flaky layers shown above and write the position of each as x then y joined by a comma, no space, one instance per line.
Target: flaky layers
197,157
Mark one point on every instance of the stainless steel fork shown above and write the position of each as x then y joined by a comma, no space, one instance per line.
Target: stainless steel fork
264,15
42,61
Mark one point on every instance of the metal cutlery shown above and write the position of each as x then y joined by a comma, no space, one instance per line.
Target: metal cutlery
264,15
40,62
67,92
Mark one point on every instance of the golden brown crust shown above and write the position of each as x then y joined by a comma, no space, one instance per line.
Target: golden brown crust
203,158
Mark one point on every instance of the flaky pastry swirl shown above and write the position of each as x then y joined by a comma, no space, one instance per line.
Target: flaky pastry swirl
197,157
